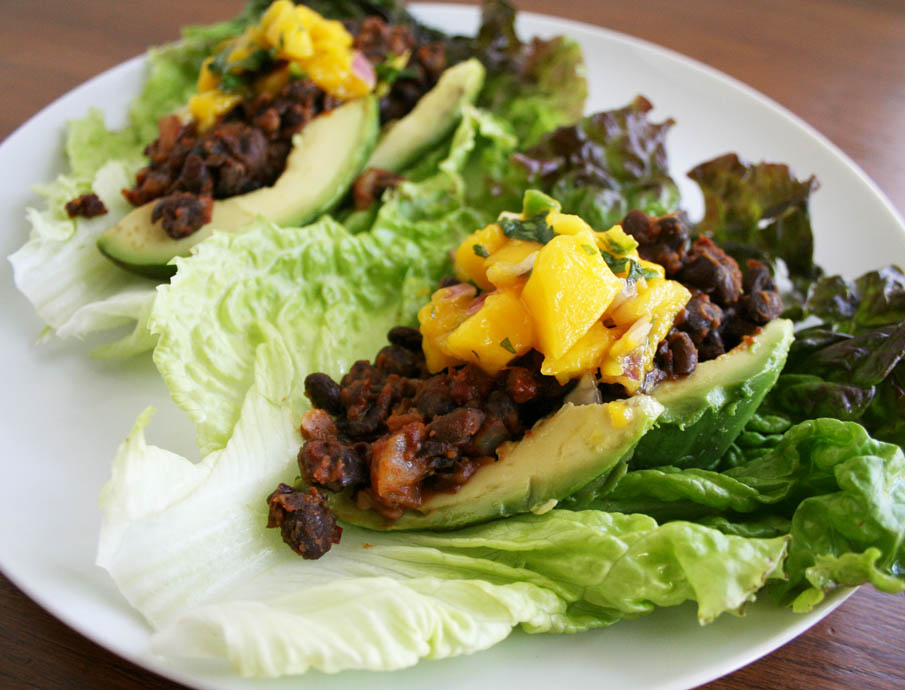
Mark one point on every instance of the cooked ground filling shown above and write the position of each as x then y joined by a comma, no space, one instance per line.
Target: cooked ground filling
393,434
248,146
86,205
243,151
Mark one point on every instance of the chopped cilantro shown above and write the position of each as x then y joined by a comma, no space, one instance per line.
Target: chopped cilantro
296,72
625,264
532,230
637,271
506,345
480,251
616,264
232,83
589,249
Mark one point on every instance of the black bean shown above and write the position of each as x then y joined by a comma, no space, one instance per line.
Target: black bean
323,392
405,336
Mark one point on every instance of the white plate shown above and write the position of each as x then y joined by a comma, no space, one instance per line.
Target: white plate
63,414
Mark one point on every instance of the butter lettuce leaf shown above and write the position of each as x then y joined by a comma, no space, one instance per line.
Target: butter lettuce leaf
187,545
841,491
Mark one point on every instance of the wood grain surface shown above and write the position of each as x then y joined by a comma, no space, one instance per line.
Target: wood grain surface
838,64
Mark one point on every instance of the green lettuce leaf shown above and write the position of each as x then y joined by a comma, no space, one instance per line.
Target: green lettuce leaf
187,545
852,364
842,491
330,294
74,289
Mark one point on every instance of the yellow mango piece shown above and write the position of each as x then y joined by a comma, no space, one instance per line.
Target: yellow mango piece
436,319
208,106
569,289
583,356
272,82
656,296
499,331
566,223
282,28
327,31
437,360
617,242
634,352
470,257
511,262
620,414
207,80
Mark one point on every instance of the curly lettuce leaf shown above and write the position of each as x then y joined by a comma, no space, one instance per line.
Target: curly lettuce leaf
852,364
330,294
535,86
187,545
605,165
760,211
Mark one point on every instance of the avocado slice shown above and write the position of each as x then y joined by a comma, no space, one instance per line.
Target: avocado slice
431,120
706,411
327,156
561,454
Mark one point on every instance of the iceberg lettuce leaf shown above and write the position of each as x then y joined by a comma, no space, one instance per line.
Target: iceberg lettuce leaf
74,289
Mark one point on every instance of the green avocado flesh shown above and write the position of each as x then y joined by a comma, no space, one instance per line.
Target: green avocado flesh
432,119
706,411
557,457
326,157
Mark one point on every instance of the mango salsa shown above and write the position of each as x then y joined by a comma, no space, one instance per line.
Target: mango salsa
288,35
438,318
583,356
584,299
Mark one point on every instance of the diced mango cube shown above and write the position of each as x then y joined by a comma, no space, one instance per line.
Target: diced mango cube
569,289
566,223
620,414
501,330
208,106
658,296
436,359
511,262
207,80
470,257
585,355
617,242
654,311
438,318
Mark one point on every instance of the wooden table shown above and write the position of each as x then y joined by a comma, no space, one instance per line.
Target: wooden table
838,64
